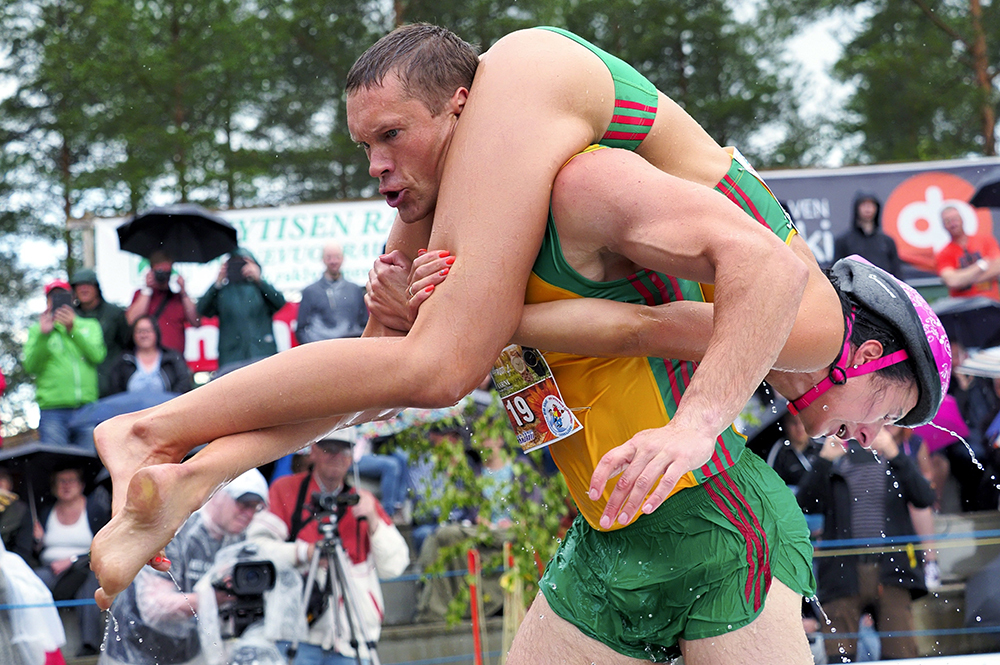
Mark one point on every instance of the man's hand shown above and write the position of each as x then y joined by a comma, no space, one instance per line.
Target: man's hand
653,458
833,449
396,287
60,566
45,322
251,271
884,445
365,508
385,292
66,316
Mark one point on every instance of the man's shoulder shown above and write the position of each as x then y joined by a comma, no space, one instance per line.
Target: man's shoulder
314,287
285,483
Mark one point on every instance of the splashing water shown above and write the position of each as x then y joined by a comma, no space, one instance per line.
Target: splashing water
176,584
814,600
967,447
107,629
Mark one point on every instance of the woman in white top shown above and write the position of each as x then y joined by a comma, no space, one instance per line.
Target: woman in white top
64,534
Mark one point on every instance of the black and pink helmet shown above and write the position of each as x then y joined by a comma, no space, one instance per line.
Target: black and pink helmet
918,327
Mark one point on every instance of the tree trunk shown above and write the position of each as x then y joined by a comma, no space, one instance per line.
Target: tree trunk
980,65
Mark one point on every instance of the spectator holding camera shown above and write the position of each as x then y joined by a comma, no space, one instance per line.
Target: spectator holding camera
245,304
288,532
62,352
160,616
170,309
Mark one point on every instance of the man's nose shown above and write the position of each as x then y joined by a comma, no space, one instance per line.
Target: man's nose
378,163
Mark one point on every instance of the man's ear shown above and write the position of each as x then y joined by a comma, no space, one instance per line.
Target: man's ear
457,102
869,350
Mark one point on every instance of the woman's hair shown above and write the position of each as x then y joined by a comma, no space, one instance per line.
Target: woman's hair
156,331
868,324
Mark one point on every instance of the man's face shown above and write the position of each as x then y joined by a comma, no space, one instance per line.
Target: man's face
233,516
330,464
86,294
333,258
952,221
867,209
405,144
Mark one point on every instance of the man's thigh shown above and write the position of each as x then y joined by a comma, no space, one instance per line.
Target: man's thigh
776,636
544,637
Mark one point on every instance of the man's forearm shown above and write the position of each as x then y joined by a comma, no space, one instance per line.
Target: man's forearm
754,313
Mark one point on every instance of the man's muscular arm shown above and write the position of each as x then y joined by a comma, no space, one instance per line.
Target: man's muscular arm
690,231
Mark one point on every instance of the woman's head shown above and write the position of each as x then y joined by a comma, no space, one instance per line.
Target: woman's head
67,484
145,333
896,362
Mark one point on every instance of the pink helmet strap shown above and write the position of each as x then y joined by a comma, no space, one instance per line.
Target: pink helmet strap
839,375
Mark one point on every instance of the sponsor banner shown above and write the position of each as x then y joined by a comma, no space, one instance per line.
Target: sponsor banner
912,195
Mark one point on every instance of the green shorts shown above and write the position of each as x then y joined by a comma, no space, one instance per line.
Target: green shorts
699,566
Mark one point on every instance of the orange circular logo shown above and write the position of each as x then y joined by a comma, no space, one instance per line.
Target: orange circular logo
912,215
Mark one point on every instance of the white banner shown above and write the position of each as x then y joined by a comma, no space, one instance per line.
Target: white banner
287,241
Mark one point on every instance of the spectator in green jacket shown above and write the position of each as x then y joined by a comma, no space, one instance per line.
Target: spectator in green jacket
62,352
90,304
245,305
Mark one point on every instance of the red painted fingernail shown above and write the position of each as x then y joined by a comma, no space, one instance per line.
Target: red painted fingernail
450,260
444,254
444,272
421,252
429,289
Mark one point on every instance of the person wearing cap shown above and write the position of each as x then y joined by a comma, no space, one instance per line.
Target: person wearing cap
157,615
63,352
90,304
287,532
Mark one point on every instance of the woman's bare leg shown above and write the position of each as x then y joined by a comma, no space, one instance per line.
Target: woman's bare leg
161,497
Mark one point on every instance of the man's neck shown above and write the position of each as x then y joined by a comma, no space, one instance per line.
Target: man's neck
330,484
91,306
332,276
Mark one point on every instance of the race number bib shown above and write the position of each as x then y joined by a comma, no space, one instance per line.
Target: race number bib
531,397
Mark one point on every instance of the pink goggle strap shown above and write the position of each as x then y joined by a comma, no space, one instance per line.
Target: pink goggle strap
839,375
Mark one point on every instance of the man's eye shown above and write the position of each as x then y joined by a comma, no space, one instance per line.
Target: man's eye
392,133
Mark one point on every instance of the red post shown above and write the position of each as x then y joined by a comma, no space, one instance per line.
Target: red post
477,639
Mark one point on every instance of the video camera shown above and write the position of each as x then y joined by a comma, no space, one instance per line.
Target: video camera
324,504
249,578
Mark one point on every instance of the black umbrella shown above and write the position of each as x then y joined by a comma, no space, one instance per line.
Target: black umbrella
184,232
987,190
974,322
36,462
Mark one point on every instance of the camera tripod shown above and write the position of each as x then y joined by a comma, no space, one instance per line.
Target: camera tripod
330,548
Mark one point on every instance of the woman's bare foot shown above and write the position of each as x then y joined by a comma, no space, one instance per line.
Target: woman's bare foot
159,499
124,452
